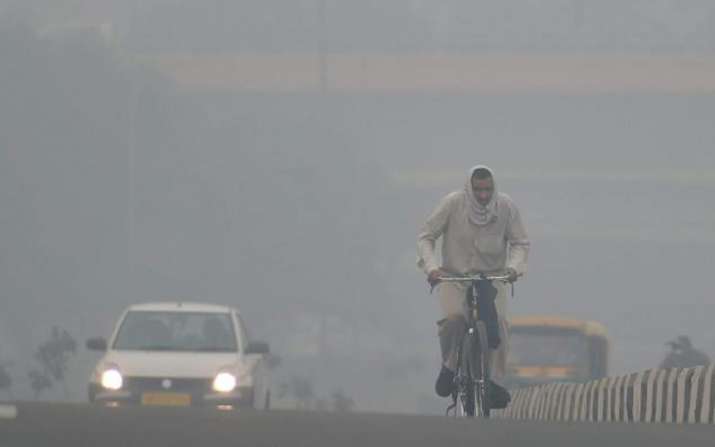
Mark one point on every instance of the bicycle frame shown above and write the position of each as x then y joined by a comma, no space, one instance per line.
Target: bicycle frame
471,396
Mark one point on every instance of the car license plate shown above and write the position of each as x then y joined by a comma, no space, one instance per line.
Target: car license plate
166,399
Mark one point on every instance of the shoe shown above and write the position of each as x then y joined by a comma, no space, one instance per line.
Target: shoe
445,382
499,397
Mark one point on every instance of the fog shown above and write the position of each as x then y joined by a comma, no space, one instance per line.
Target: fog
125,179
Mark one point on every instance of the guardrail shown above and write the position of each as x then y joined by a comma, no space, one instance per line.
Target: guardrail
678,395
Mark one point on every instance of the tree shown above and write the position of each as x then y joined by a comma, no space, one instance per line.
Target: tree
39,381
341,402
5,379
302,390
683,354
59,86
53,356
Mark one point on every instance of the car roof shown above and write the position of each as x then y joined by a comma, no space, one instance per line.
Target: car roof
181,306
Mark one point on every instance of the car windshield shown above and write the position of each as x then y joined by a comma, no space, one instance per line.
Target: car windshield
546,348
176,331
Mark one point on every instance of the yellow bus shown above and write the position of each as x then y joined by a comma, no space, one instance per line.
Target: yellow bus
554,349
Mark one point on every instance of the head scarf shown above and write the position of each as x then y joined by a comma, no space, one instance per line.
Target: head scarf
480,214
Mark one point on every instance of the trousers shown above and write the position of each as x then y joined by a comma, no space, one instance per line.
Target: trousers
451,327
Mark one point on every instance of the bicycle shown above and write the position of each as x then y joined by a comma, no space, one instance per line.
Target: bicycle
472,385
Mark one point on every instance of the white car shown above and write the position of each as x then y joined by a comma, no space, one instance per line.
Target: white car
180,354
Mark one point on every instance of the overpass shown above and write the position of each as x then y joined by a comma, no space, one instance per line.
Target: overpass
490,74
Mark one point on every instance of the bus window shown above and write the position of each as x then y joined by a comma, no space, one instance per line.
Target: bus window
553,349
537,348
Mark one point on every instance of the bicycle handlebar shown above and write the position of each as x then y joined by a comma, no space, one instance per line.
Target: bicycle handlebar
480,277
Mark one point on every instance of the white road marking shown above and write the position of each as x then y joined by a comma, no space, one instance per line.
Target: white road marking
584,401
694,385
671,395
608,416
532,402
567,406
618,386
680,399
601,406
654,395
707,401
660,398
638,397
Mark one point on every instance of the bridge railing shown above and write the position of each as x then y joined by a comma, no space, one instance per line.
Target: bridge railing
678,395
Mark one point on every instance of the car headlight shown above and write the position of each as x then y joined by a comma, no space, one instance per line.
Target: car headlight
112,379
224,382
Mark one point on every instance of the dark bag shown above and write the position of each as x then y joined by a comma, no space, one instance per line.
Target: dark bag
487,310
499,397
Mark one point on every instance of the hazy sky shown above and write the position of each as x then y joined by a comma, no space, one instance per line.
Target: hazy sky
119,185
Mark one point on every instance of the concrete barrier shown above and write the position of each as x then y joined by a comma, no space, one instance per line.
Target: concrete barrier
677,395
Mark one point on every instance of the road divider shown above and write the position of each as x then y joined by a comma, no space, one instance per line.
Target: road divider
677,395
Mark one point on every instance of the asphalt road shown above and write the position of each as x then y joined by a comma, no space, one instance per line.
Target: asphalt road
61,425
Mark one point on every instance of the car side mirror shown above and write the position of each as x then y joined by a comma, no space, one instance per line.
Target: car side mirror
97,344
257,347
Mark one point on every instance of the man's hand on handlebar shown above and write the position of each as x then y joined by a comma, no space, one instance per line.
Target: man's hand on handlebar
438,275
512,274
434,277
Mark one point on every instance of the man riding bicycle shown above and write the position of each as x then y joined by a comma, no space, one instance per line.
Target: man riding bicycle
482,232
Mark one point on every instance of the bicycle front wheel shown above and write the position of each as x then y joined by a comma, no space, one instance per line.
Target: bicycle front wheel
480,371
465,377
